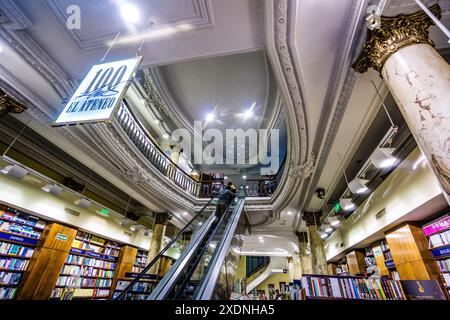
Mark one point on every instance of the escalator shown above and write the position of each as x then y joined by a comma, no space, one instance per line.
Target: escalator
207,263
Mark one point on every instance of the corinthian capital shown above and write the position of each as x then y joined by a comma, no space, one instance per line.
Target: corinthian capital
395,33
9,104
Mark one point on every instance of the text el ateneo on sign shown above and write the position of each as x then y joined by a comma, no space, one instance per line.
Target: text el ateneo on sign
99,93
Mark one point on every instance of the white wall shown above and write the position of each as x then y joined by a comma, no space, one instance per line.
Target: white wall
411,192
32,199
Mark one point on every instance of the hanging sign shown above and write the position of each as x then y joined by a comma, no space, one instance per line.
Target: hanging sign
100,93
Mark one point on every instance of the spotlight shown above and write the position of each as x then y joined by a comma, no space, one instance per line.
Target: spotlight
83,203
383,158
323,235
52,188
15,171
165,136
133,228
210,117
358,185
130,13
334,221
327,228
289,213
346,204
225,178
248,114
244,177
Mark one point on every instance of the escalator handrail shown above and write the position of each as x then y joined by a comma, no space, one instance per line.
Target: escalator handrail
209,280
159,255
202,252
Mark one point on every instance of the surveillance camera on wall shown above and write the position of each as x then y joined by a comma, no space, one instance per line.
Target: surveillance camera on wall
320,192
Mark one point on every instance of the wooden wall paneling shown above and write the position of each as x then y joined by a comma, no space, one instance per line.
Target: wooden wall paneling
125,263
46,263
409,249
355,262
332,268
379,259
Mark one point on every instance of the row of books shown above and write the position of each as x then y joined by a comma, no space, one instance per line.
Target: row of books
97,293
141,259
139,287
444,265
87,271
384,245
387,255
108,250
19,229
446,279
92,262
76,281
15,250
137,269
11,214
13,264
352,288
10,278
132,296
87,237
7,293
440,239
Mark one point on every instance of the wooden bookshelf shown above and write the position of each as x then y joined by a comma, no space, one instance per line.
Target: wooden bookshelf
379,259
19,236
438,234
355,262
91,265
410,253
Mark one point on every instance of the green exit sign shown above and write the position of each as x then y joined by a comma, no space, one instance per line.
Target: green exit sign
337,207
104,212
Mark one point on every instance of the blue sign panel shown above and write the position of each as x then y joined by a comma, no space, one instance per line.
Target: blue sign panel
440,252
92,254
18,238
389,263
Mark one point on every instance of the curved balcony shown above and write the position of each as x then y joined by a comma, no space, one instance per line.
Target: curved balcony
150,150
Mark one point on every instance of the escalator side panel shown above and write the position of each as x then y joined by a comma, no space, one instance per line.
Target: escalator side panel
167,282
207,286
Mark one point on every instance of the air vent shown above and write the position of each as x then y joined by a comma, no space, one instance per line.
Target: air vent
72,212
380,214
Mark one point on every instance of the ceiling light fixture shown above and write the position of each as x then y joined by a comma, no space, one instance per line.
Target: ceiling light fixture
130,13
82,203
15,171
289,213
358,186
166,136
334,221
346,204
210,117
327,228
383,158
323,235
244,177
52,188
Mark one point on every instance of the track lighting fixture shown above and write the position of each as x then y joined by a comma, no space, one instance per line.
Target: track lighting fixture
358,186
347,204
383,158
334,221
15,171
52,188
83,203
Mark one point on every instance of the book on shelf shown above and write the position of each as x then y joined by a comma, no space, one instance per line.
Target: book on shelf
7,293
10,278
444,265
13,264
329,287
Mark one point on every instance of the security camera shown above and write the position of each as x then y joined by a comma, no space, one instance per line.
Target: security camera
320,192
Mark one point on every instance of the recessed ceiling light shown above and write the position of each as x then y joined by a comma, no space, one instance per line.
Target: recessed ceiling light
130,12
248,114
166,136
289,212
225,177
244,177
185,213
210,117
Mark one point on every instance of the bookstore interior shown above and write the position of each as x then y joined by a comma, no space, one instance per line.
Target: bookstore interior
224,150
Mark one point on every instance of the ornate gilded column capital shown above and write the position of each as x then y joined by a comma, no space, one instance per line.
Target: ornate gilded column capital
162,218
312,218
9,104
395,33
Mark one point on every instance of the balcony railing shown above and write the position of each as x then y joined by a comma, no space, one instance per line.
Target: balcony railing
150,150
265,186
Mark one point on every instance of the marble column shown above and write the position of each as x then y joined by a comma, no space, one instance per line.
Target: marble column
157,242
304,253
9,104
318,259
419,80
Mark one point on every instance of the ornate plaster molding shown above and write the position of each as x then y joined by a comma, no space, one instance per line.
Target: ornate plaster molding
395,33
304,170
10,104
